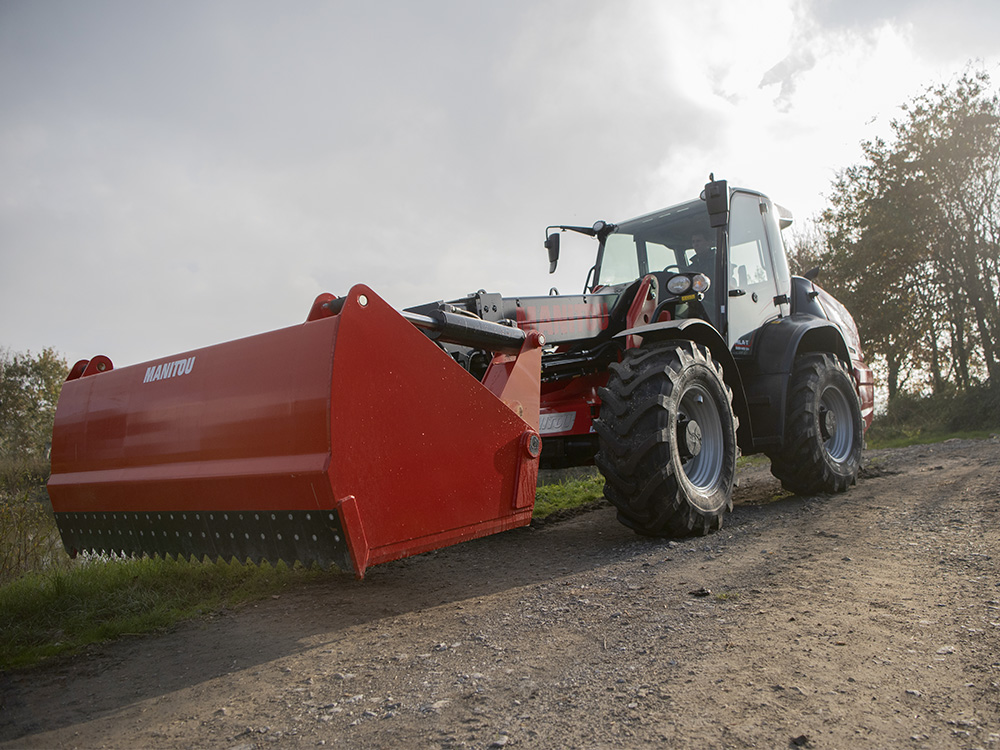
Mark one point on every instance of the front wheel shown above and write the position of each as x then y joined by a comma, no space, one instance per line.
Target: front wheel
821,451
667,437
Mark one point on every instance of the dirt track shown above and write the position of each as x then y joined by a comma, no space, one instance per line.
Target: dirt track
869,619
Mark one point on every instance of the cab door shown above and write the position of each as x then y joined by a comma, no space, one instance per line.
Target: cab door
753,291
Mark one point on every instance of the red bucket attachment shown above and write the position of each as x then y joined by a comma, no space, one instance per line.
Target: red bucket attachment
350,439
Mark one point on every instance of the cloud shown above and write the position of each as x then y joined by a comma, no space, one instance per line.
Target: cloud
786,72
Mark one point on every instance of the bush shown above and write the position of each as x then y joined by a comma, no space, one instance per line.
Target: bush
20,473
910,418
29,538
978,408
29,389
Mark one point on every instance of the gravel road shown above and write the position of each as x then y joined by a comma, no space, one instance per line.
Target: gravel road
869,619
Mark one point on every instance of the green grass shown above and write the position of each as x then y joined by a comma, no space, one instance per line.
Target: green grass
567,495
902,439
56,611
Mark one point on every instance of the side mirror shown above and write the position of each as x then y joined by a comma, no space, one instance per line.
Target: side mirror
716,197
552,245
811,274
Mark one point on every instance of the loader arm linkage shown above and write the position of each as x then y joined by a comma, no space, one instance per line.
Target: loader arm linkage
304,444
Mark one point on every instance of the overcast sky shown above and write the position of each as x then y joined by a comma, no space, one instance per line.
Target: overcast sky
174,174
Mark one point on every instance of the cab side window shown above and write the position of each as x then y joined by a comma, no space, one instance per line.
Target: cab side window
752,290
659,256
749,260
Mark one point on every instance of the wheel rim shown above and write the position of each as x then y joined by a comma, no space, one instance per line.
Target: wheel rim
836,424
702,462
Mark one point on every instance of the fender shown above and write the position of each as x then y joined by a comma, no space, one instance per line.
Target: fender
779,342
767,371
700,332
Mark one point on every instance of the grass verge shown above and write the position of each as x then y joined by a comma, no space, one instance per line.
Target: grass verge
924,437
65,607
567,495
56,611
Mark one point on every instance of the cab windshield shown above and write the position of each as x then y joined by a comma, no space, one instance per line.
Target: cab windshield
678,239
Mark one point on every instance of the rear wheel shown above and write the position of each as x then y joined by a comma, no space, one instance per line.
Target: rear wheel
823,429
667,437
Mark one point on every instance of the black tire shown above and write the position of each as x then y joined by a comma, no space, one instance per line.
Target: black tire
824,432
667,440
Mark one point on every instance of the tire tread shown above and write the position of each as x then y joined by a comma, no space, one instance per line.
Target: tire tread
635,445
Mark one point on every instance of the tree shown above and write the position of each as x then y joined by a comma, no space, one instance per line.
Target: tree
911,239
29,390
953,146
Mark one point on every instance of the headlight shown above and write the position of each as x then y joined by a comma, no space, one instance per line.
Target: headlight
679,284
700,283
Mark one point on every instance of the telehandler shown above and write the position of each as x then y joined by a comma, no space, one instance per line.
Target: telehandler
690,343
